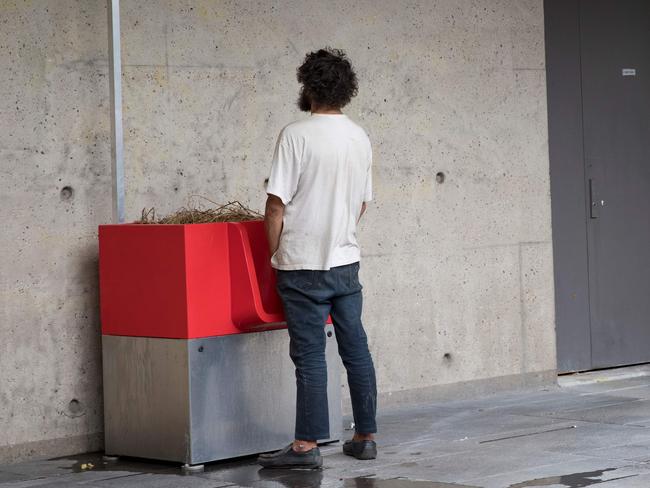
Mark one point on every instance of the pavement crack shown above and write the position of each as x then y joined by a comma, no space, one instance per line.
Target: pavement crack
575,419
529,434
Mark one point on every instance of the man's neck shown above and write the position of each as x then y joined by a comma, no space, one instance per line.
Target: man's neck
325,110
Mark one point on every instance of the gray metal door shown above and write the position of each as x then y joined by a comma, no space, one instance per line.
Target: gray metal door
615,65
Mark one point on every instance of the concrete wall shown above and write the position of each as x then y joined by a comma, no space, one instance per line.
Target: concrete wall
458,275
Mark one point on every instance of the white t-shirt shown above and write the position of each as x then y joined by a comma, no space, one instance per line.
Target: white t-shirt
322,173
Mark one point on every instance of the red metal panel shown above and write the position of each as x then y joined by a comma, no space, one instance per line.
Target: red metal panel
254,300
264,272
208,280
142,280
186,281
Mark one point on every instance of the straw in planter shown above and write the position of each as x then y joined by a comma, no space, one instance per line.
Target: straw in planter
193,214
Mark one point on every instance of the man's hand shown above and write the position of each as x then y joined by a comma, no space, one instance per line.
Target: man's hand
273,221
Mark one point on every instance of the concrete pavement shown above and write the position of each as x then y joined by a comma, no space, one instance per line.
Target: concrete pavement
591,430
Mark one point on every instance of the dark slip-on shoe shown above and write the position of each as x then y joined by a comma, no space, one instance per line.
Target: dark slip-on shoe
360,449
288,458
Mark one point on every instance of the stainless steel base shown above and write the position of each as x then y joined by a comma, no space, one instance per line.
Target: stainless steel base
201,400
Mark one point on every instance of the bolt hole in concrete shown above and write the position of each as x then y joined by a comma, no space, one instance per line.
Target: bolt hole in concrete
66,193
75,408
446,356
440,177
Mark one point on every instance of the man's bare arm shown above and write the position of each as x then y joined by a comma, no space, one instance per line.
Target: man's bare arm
273,221
363,210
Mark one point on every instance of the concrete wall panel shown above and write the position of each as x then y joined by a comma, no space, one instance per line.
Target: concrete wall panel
54,134
462,267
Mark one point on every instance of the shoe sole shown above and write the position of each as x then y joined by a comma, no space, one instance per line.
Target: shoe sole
362,456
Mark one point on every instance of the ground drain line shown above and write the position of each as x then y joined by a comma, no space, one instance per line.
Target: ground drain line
593,393
526,435
600,422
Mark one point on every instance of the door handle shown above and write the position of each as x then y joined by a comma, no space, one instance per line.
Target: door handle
593,204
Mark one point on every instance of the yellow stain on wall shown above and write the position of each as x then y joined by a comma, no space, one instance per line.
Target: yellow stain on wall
159,75
208,11
11,6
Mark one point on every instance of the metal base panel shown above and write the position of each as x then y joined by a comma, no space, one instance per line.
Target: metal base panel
200,400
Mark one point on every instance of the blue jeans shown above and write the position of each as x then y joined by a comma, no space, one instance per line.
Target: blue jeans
308,297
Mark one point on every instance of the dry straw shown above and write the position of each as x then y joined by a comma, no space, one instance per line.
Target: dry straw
195,214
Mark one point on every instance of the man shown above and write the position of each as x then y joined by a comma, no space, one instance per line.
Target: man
319,184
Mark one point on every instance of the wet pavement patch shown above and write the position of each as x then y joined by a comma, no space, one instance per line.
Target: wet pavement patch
97,462
369,482
244,472
306,478
575,480
314,478
293,478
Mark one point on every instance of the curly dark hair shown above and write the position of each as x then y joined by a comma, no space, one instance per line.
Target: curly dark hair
327,79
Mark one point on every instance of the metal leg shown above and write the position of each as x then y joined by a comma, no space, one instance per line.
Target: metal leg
192,468
110,459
